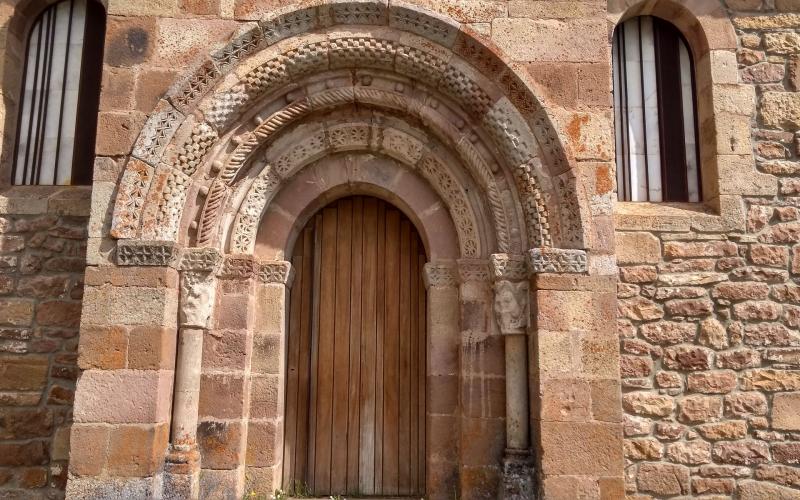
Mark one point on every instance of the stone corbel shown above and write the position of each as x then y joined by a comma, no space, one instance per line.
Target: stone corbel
198,267
511,297
275,271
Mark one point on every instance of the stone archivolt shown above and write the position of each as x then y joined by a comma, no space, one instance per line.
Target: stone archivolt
202,142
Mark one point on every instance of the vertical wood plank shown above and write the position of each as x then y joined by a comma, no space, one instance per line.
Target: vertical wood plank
413,314
327,314
368,346
380,320
341,348
391,359
422,374
311,464
292,369
404,361
305,354
356,329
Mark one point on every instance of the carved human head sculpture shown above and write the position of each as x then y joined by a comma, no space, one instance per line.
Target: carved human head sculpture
511,306
197,299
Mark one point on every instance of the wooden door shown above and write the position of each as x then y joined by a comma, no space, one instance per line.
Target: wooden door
355,390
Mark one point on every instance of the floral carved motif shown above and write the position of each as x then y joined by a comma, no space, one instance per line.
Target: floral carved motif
557,260
146,253
438,275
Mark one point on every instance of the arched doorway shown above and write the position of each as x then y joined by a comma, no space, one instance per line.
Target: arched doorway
356,357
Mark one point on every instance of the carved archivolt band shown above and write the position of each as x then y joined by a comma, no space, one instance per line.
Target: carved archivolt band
335,137
173,145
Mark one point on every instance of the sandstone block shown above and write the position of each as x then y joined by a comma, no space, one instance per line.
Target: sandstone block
781,474
740,290
640,308
696,409
706,486
738,359
689,307
129,306
786,411
102,347
637,248
786,453
27,373
712,334
669,380
690,452
264,442
715,382
686,357
573,448
576,40
782,43
221,396
663,479
89,449
757,311
643,449
649,404
770,380
638,274
745,403
16,312
723,431
668,332
781,110
136,451
757,490
220,443
682,249
744,452
123,396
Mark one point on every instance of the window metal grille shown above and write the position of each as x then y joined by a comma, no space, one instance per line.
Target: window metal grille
60,95
655,118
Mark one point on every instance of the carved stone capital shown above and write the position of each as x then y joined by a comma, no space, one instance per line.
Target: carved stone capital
277,271
146,253
440,275
239,267
473,270
511,300
200,259
198,292
556,260
508,267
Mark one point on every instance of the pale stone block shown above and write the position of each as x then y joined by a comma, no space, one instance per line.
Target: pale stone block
576,448
107,305
786,411
123,396
578,40
738,177
734,99
142,7
637,248
781,110
102,208
724,66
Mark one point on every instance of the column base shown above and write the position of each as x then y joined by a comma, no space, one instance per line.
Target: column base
518,476
182,473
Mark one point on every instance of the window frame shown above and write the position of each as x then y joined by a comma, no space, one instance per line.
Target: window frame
672,129
88,101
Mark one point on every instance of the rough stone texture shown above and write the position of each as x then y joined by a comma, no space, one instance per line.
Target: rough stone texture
42,256
725,353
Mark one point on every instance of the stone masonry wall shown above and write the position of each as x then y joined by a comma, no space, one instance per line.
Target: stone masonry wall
42,258
710,323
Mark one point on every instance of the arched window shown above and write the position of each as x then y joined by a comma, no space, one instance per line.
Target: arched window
60,94
655,118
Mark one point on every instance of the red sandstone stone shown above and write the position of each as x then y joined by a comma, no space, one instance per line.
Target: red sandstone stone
744,452
663,479
693,409
686,357
715,382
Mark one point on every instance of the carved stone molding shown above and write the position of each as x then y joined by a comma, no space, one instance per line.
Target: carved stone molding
146,253
184,152
473,270
198,290
200,259
557,260
279,271
511,300
239,267
508,267
440,275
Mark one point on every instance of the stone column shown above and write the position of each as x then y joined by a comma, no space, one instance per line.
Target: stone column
511,307
265,425
127,356
197,295
442,419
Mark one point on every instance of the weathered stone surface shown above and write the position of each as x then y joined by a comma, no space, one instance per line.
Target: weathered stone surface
744,452
724,431
781,110
770,380
668,332
693,409
690,452
716,382
663,479
688,358
786,411
645,403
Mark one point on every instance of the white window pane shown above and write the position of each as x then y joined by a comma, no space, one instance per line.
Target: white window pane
687,98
